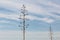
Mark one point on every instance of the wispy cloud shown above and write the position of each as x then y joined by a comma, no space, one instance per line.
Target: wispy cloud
16,17
48,20
39,7
9,16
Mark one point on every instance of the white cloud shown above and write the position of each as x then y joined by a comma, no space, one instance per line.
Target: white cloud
8,4
53,4
15,17
48,3
43,11
55,16
17,35
48,20
34,9
9,16
8,35
31,8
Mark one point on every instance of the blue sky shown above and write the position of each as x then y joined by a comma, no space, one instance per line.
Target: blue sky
42,13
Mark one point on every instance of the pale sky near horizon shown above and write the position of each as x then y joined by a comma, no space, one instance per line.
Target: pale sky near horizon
42,13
